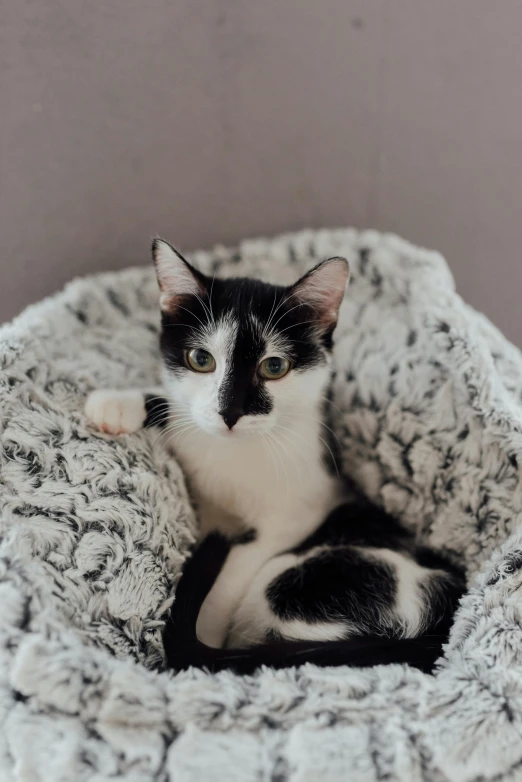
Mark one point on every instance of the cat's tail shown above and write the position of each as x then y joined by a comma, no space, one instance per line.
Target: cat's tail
185,650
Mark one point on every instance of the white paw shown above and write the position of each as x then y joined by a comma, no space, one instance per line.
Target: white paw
116,412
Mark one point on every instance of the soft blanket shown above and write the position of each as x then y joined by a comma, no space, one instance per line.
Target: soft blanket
94,533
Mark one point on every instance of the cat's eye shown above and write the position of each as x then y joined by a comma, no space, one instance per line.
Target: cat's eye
201,360
274,368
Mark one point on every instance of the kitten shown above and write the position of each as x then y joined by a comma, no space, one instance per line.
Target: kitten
246,372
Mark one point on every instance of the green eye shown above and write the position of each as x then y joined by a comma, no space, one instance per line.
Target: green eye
274,368
201,360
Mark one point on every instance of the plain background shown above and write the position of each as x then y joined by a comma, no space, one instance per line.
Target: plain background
212,120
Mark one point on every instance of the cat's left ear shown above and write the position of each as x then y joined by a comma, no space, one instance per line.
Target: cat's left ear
176,276
322,289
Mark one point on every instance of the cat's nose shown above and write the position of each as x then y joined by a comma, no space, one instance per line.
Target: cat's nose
231,415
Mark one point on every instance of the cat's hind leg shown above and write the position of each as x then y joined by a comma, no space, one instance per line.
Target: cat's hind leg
255,621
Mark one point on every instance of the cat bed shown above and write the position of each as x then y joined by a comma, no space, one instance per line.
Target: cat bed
95,530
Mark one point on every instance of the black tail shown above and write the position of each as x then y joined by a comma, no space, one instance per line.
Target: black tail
185,650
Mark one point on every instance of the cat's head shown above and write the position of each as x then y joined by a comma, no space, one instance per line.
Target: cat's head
242,356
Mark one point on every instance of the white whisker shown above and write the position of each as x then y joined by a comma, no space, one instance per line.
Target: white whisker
281,460
267,325
283,315
194,314
205,308
294,325
269,451
210,300
306,461
289,450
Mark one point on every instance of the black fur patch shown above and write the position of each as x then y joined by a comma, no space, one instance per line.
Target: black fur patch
359,523
241,539
242,389
157,410
338,584
344,583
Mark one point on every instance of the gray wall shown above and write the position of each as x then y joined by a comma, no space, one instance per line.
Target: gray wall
211,120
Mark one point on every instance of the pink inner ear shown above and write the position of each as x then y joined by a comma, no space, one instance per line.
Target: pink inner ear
176,278
323,289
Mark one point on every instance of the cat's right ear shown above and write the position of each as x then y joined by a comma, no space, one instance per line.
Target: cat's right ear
176,276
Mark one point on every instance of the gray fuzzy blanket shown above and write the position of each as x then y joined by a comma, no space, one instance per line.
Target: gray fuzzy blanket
95,531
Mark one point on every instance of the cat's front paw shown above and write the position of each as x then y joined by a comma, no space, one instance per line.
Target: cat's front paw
116,412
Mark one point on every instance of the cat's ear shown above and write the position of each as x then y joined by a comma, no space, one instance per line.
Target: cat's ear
176,276
322,289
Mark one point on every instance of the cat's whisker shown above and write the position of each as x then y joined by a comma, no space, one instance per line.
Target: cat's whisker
297,414
282,461
283,299
204,325
185,325
210,299
308,304
334,461
310,413
268,447
187,432
205,308
156,420
158,411
290,451
305,460
283,315
329,401
326,446
332,455
174,432
158,438
174,423
267,324
295,325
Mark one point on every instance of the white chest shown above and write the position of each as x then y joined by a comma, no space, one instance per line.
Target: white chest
255,479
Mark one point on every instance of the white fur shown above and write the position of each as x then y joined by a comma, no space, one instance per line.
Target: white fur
116,412
409,611
409,608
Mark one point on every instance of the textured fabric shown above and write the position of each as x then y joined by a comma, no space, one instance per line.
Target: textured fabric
427,405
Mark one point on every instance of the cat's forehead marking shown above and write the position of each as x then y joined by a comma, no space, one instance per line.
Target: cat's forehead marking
243,333
255,324
222,335
277,345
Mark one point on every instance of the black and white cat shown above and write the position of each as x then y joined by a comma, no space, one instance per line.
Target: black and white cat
246,373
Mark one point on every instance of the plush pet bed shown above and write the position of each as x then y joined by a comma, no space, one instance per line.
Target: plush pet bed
95,531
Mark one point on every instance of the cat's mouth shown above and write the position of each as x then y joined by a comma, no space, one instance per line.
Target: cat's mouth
242,429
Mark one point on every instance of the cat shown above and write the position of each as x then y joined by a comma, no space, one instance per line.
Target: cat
302,557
